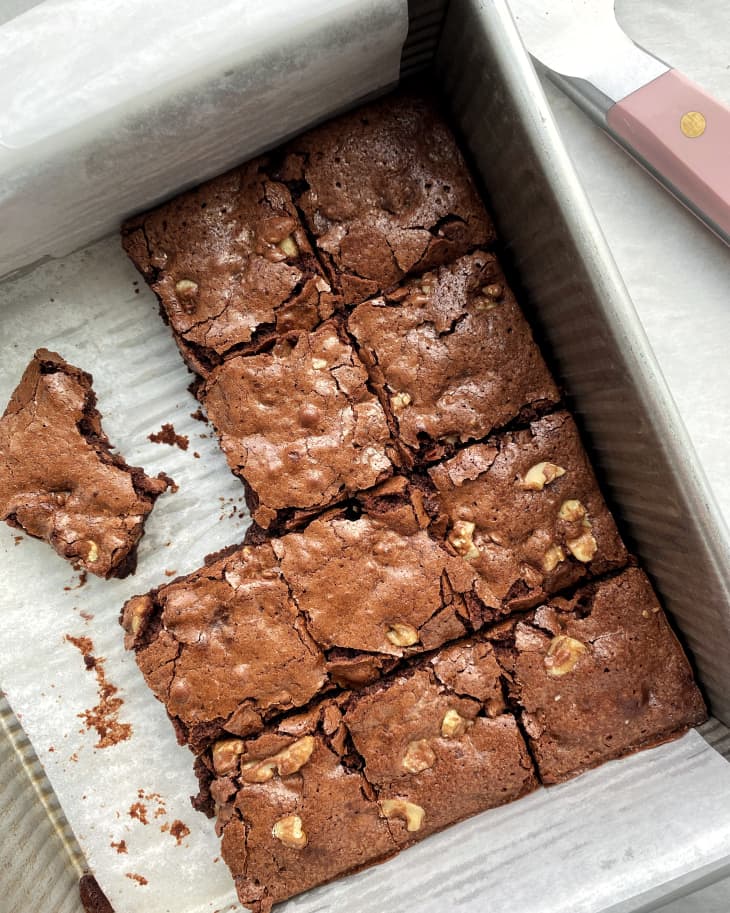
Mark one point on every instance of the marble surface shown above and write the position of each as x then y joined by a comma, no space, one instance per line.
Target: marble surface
678,274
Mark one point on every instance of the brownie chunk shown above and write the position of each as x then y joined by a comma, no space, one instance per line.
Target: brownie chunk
452,357
230,264
436,753
366,774
385,192
375,588
526,512
59,480
294,810
93,899
298,424
599,675
224,647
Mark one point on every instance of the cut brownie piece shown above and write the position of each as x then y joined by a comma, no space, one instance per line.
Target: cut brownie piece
294,810
386,193
366,774
230,264
299,425
526,512
437,742
59,480
452,357
375,588
224,647
599,675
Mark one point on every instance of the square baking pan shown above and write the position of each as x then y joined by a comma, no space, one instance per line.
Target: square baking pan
574,295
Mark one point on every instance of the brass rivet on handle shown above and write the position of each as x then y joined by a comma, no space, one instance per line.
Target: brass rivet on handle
693,124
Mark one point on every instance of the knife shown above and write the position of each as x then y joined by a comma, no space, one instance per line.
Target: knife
672,127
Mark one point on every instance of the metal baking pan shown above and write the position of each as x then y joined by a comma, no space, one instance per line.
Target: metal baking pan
575,296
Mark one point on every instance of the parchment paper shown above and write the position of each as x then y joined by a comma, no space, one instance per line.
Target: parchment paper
94,94
611,834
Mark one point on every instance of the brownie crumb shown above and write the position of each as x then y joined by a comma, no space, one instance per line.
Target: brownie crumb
168,435
119,845
138,811
17,539
170,573
179,830
133,876
104,717
92,897
199,416
196,454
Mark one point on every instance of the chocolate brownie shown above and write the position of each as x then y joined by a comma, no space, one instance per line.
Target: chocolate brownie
599,675
299,425
437,742
93,899
230,264
376,588
452,357
224,647
367,774
59,480
525,511
294,811
385,192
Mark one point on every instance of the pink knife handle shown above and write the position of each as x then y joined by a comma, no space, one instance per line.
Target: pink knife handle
684,136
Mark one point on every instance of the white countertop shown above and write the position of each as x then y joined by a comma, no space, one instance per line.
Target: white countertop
677,273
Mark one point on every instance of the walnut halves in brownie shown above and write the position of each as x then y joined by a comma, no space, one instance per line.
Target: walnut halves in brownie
230,264
59,479
599,675
385,193
299,425
367,774
525,511
452,357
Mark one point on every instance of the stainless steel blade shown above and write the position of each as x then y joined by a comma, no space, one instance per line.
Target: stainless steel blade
581,39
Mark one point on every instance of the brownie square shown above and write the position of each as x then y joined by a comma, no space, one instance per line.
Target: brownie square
299,425
357,778
230,264
452,357
385,192
59,479
437,742
599,675
294,811
525,510
224,648
376,588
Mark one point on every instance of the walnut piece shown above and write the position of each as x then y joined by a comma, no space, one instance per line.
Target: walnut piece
453,725
461,539
584,547
542,474
289,246
93,553
399,401
186,288
402,635
319,364
409,812
572,511
563,655
552,558
290,831
226,753
136,611
285,762
419,756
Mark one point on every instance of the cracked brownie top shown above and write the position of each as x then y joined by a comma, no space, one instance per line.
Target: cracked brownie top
298,424
385,192
452,357
59,480
230,264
